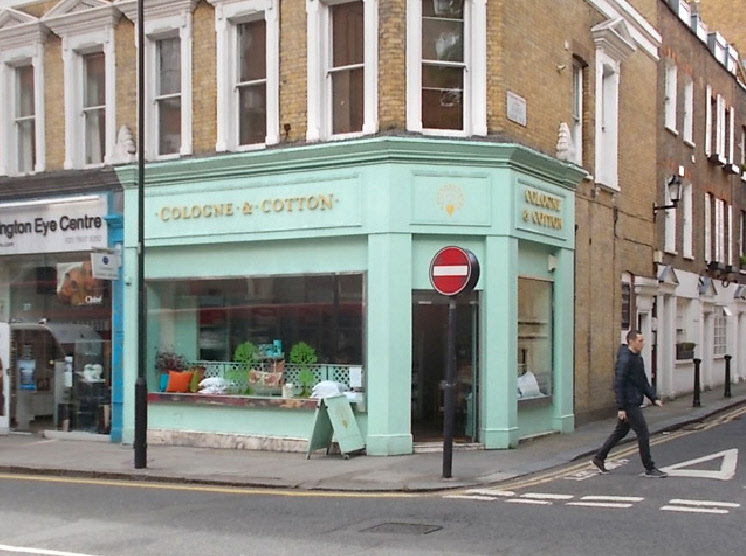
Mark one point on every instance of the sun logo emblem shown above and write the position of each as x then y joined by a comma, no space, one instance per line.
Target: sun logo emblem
450,198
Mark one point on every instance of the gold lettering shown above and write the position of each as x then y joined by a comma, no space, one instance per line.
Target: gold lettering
278,205
301,202
266,205
326,202
289,204
164,214
176,213
207,211
196,211
247,208
312,202
186,213
546,220
543,200
218,210
229,209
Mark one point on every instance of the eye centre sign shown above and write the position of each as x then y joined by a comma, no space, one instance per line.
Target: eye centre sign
53,226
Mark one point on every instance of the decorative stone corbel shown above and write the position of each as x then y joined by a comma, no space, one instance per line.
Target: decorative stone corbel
565,147
124,148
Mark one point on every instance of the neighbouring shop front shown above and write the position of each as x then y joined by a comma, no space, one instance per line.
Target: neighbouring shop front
267,273
55,316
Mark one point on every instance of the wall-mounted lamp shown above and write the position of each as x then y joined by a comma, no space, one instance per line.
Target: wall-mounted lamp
720,271
674,193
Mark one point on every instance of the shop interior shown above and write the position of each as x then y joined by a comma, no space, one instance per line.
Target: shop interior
429,356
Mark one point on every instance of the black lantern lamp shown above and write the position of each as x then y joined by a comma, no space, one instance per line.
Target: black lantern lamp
674,194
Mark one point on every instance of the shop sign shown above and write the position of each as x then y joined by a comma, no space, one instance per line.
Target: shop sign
540,211
105,264
55,226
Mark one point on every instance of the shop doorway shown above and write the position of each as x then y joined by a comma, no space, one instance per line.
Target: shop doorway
4,378
429,356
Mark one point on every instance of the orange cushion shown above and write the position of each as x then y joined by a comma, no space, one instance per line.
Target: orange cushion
178,381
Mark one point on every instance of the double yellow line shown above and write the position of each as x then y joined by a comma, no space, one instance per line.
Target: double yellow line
629,450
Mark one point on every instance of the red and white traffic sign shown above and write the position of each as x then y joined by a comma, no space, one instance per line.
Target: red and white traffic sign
454,270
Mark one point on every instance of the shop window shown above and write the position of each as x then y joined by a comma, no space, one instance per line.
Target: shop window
244,335
446,67
535,361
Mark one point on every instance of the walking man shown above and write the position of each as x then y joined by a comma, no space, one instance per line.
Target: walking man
630,387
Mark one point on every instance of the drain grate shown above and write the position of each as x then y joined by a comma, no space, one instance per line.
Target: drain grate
407,528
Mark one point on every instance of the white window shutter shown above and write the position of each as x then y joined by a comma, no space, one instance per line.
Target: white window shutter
708,121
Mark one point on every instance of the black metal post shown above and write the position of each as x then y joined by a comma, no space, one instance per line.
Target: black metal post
727,375
695,398
448,392
141,385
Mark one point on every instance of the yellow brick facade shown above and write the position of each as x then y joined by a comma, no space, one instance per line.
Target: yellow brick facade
530,52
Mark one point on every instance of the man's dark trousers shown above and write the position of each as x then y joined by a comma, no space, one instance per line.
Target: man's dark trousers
635,421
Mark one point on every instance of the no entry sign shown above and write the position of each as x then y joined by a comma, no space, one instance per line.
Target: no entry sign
454,270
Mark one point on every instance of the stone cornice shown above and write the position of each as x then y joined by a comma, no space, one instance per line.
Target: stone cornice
155,9
20,29
432,152
66,18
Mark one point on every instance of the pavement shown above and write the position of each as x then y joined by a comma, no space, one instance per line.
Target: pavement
58,455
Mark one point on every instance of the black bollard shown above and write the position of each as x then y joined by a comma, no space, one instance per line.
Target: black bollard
695,398
727,375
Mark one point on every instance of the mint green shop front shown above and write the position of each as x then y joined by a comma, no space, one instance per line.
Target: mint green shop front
379,208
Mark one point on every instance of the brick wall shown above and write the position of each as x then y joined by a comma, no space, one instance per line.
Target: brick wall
293,69
54,104
204,76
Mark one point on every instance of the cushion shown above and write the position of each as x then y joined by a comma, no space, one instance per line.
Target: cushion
197,376
179,381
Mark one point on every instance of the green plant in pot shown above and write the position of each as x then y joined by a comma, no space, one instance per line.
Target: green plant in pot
304,355
245,353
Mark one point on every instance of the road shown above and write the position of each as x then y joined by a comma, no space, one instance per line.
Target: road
569,511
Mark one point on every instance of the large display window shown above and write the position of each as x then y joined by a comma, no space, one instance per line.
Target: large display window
60,344
256,336
535,361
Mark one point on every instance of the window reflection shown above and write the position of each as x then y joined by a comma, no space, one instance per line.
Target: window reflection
534,338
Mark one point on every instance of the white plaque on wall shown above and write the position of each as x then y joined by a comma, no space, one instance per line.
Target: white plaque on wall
516,107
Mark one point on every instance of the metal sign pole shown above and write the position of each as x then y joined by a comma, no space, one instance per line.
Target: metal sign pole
448,392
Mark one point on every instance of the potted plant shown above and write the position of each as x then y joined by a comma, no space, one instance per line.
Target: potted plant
168,360
304,355
685,350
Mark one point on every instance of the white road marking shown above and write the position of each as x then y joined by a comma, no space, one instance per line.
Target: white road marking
693,510
614,498
703,503
727,467
546,496
491,492
600,504
528,501
28,550
472,497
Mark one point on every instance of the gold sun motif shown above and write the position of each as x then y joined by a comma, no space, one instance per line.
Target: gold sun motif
450,198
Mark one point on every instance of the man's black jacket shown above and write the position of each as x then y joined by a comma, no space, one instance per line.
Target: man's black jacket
630,382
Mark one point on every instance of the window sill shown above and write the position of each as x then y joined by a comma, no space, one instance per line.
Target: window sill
672,131
538,401
690,143
226,400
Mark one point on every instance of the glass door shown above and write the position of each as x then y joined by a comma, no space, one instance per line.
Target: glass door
4,378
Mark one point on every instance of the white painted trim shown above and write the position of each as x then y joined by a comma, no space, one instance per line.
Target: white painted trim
227,14
607,140
644,34
32,53
319,98
475,75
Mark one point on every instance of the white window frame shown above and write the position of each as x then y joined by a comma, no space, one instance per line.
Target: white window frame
577,111
687,224
164,19
475,75
688,110
708,122
670,101
671,215
708,227
720,146
21,43
720,230
729,232
719,331
607,120
228,15
85,28
319,87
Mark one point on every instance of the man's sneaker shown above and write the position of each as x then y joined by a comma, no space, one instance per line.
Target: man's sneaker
655,473
599,463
